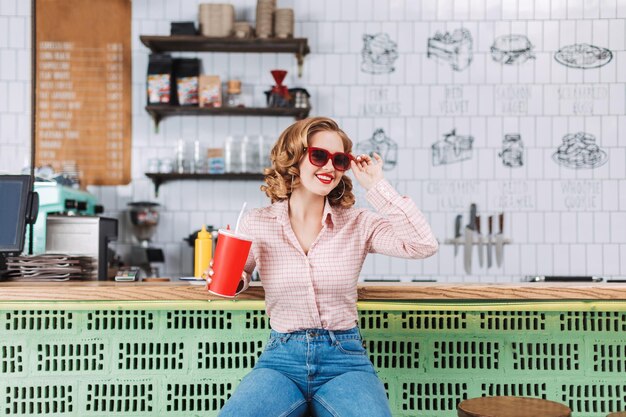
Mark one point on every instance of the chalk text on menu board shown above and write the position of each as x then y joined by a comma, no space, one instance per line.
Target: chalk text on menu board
380,101
515,195
453,195
512,100
583,99
583,195
70,101
453,103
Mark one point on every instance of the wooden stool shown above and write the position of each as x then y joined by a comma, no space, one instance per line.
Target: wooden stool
511,407
618,414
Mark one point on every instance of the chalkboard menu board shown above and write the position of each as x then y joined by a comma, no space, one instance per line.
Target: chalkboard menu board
83,87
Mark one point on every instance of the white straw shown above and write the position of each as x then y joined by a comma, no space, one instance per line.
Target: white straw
243,208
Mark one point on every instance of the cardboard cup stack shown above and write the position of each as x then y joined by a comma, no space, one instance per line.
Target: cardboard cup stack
283,23
216,20
242,30
264,18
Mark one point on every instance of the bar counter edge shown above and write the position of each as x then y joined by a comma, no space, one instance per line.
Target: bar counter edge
139,291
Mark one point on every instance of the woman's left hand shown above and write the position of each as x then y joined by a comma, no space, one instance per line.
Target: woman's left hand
366,171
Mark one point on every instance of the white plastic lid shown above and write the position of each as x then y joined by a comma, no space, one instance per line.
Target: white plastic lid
232,233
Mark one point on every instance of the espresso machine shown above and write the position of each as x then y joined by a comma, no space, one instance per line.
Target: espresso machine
57,199
144,218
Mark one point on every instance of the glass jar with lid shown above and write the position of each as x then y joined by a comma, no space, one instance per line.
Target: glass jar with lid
233,94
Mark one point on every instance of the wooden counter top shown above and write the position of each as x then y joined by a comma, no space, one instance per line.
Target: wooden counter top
138,291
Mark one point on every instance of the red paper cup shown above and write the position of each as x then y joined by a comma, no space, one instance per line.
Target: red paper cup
230,258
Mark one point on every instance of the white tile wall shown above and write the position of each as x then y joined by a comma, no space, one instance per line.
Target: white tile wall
562,221
14,85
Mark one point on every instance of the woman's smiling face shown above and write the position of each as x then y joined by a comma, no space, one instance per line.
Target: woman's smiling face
321,180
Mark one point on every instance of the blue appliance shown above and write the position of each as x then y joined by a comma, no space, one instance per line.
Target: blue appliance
59,199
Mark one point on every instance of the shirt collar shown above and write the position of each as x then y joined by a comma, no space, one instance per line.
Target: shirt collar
329,213
280,210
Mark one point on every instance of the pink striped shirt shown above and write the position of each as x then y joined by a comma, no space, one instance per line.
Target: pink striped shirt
319,289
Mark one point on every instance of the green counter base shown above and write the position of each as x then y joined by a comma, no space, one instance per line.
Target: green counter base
185,358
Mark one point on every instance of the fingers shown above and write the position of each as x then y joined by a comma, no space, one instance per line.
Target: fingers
208,274
364,160
207,277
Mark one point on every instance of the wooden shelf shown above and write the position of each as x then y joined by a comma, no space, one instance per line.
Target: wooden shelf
197,43
159,112
159,178
191,43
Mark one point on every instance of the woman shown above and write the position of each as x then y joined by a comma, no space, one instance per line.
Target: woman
309,247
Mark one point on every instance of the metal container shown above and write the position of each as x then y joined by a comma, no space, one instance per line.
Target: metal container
144,218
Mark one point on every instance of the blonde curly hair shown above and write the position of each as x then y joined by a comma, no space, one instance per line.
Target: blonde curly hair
284,175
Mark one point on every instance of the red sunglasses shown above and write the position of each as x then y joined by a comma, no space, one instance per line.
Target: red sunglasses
319,157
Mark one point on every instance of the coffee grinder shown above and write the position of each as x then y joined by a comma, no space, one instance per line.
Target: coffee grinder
144,218
279,95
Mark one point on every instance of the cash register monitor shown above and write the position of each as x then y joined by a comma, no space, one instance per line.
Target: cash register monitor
15,198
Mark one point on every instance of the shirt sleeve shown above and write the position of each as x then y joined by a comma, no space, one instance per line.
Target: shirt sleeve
397,228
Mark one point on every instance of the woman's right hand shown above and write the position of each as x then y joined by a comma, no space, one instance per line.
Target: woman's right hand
208,276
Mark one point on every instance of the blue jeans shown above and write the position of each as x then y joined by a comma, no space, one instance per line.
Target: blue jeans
316,371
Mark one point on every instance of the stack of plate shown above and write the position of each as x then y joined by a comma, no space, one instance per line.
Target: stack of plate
50,267
216,20
283,23
264,15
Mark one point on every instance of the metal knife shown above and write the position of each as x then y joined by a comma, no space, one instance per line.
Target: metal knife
481,252
490,243
457,233
500,241
555,278
469,240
